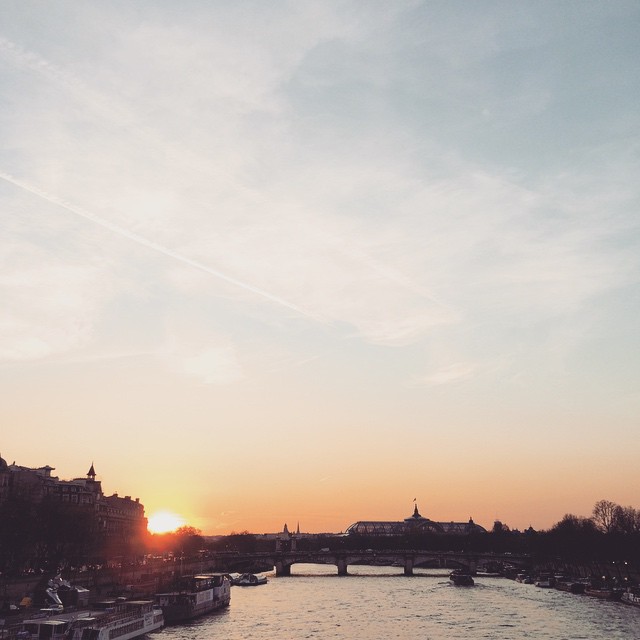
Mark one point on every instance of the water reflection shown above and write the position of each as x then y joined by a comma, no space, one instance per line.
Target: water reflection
380,602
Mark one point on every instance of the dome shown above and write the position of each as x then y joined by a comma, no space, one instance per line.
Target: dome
3,464
414,524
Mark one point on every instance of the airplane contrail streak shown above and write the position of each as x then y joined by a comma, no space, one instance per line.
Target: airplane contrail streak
130,235
115,112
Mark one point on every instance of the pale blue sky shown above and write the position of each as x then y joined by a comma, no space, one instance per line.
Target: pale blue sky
324,238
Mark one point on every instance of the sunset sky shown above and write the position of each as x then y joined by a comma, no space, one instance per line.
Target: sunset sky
303,262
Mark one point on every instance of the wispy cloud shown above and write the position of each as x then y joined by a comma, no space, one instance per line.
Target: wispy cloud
213,365
49,306
450,374
323,194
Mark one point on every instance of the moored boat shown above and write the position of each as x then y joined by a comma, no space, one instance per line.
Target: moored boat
565,583
631,596
461,578
544,581
105,620
604,593
249,580
572,586
194,596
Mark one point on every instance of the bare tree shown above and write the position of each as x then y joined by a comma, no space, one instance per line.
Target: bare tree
626,520
604,515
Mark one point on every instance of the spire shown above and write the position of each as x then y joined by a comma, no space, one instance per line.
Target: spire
298,528
286,529
91,473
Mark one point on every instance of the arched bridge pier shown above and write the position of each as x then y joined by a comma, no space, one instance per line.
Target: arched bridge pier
408,560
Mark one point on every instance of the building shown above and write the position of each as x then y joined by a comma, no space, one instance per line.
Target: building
118,519
5,479
414,524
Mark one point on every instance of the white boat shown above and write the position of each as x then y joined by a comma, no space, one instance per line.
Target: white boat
249,580
107,620
631,596
195,596
544,581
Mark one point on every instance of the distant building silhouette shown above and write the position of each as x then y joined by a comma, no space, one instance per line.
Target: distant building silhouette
286,541
415,523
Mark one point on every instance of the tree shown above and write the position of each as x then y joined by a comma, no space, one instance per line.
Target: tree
604,515
18,526
64,535
573,526
573,538
189,540
626,520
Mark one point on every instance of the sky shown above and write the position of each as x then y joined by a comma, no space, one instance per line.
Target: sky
303,262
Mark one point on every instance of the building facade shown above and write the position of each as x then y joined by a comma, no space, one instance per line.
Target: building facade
116,519
414,524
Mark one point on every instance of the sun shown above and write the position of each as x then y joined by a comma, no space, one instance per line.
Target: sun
164,521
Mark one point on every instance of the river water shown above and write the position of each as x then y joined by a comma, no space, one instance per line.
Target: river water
379,603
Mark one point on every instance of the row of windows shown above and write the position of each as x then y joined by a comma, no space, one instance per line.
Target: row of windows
392,528
421,526
127,628
76,499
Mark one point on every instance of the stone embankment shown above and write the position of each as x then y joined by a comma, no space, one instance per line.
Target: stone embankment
138,580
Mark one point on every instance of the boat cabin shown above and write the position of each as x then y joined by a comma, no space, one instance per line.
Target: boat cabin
46,629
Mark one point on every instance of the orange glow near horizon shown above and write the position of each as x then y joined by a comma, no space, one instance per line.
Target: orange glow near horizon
164,522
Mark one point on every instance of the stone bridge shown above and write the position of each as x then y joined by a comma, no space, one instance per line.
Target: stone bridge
407,559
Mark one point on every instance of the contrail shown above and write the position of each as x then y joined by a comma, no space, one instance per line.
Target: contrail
115,112
130,235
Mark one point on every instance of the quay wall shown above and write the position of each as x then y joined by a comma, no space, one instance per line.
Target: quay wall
137,581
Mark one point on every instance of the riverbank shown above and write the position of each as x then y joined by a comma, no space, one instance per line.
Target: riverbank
146,579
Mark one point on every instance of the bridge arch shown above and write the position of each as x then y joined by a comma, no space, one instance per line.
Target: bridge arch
409,559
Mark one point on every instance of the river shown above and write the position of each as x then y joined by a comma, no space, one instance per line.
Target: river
379,603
